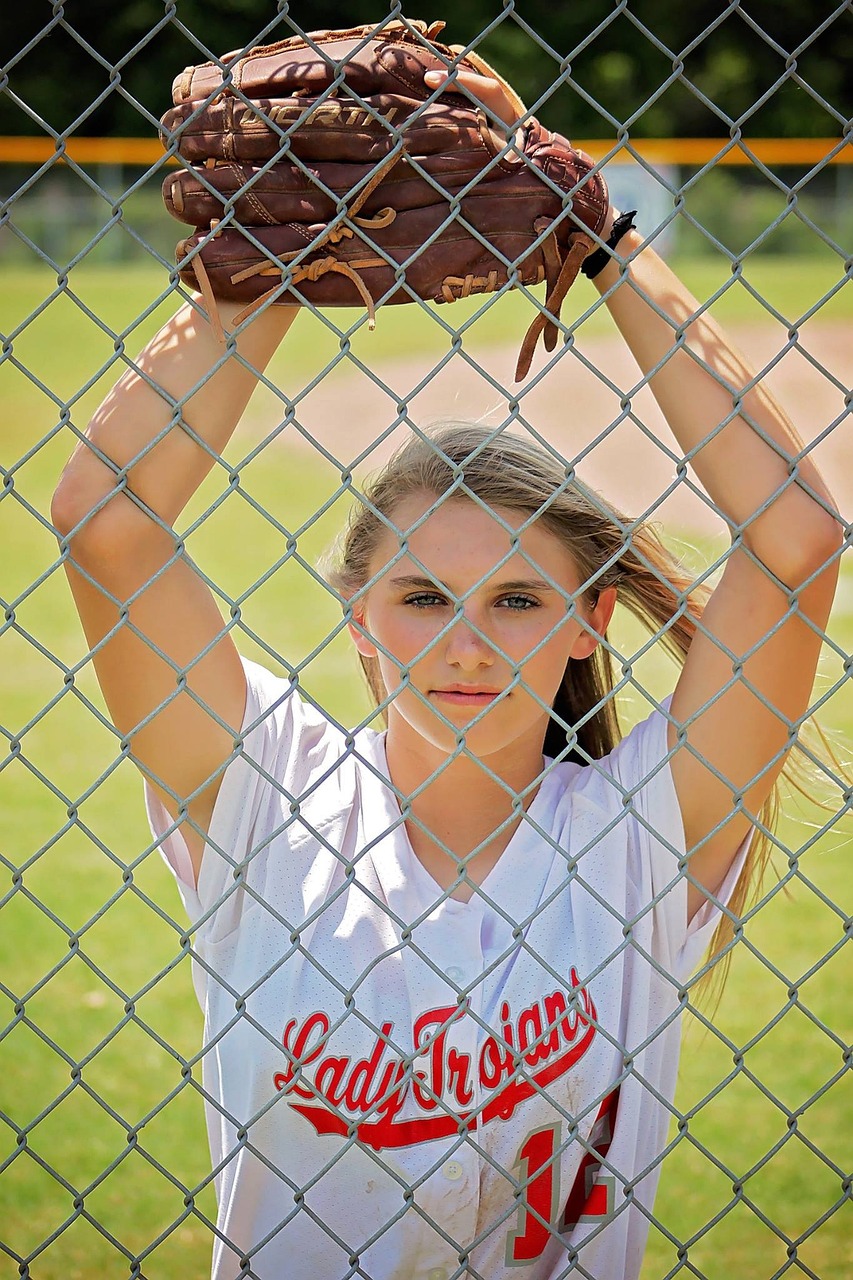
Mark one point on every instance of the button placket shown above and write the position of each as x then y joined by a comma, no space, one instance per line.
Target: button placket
451,1193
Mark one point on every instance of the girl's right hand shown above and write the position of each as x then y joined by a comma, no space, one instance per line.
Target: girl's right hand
485,91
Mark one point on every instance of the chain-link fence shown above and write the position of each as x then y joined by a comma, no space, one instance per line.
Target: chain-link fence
442,991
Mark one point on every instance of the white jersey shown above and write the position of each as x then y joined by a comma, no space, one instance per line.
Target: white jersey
403,1085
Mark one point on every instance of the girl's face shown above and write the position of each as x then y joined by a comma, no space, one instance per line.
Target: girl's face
513,616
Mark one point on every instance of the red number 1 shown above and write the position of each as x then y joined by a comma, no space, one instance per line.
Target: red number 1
541,1174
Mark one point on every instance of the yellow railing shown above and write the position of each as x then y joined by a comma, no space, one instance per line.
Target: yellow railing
679,151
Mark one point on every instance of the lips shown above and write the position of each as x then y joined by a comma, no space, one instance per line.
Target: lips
466,695
470,688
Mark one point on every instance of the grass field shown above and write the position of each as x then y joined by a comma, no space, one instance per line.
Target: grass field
97,1014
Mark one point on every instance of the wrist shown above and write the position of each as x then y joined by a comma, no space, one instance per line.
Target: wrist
266,324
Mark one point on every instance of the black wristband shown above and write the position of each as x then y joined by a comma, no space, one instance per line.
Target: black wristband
598,260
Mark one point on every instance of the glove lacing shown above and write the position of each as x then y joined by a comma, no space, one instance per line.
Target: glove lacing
318,266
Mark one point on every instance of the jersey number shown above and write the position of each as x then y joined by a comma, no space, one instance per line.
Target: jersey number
538,1164
540,1184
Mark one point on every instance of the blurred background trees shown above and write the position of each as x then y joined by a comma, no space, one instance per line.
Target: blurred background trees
662,67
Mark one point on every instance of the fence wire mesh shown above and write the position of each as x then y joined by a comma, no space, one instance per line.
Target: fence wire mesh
469,1140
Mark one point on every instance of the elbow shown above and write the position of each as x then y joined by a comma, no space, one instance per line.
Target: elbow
814,556
80,501
101,528
802,548
816,537
821,546
70,510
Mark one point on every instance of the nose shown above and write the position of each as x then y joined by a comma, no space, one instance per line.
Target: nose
467,646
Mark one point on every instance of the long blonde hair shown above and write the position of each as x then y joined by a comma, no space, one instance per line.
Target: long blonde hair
507,471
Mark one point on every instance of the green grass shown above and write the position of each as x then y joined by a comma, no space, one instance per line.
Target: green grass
121,1043
65,348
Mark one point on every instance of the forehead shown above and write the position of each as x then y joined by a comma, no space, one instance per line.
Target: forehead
459,539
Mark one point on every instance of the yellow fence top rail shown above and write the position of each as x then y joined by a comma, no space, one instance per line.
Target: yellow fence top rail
687,151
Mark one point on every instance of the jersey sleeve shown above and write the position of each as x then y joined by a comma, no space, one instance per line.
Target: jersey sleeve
283,743
640,767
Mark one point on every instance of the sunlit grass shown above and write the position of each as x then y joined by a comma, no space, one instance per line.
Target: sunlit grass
111,1054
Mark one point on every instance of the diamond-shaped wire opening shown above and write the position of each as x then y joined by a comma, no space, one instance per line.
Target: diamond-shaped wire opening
86,1139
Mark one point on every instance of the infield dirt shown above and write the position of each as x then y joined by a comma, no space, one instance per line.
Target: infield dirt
574,408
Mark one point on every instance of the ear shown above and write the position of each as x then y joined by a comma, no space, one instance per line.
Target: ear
357,628
599,620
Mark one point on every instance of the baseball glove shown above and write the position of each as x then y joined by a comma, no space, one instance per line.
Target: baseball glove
326,169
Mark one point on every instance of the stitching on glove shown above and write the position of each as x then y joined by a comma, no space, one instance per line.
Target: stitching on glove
455,287
259,207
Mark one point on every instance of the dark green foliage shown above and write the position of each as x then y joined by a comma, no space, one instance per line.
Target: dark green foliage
661,67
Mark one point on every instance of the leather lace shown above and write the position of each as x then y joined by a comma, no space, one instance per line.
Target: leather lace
559,283
318,266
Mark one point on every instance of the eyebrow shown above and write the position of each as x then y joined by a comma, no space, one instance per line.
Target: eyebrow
514,584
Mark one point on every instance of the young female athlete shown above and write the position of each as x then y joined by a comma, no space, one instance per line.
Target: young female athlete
441,978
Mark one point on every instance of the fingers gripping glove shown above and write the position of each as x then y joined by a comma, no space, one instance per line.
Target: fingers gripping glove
325,169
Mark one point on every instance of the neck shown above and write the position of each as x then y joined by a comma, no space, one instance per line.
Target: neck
470,804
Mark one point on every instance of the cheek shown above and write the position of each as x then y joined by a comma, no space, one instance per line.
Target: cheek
549,653
403,633
545,639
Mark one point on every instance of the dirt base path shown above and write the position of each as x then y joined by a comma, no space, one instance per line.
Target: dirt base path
633,462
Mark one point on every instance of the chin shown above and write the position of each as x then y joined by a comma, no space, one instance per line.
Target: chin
485,738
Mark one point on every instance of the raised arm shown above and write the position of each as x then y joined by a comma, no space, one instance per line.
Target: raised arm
166,664
748,677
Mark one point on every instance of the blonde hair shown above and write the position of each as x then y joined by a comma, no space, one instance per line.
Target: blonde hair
507,471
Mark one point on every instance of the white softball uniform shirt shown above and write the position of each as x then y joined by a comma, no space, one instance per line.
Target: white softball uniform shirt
406,1086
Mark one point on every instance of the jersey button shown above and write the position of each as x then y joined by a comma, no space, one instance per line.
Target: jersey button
455,974
453,1170
436,1273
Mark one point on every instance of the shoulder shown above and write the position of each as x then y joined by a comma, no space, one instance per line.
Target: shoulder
295,752
644,752
633,763
624,801
278,711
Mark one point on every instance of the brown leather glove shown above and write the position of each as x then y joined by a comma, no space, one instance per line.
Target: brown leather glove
327,171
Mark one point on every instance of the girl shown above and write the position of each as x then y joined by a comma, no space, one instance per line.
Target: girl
441,974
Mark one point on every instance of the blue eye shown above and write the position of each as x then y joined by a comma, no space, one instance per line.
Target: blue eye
520,603
425,600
